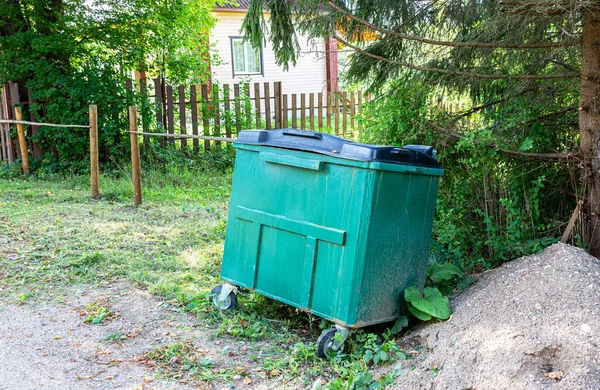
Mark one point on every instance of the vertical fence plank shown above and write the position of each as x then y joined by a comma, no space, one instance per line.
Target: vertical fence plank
267,106
277,103
294,110
311,105
328,110
22,141
194,106
336,106
182,121
303,111
257,105
145,109
94,181
10,145
352,113
216,107
37,152
136,174
159,102
205,115
238,112
13,89
170,114
227,109
320,110
360,110
3,134
247,106
344,113
285,113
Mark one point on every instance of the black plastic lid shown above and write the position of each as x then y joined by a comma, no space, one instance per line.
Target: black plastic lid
310,141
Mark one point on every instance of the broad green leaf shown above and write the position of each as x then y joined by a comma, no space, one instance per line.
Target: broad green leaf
444,272
432,302
412,293
418,313
400,323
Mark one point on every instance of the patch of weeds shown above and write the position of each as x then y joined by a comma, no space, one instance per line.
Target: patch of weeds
98,312
117,336
186,363
24,297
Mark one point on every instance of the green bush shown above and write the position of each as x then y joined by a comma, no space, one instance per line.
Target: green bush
491,207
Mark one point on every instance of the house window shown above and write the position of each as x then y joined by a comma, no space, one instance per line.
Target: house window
245,59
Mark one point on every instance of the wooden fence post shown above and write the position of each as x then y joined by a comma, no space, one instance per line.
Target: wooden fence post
267,106
257,105
194,102
6,104
205,115
159,101
3,134
136,173
37,152
94,151
170,114
277,103
22,141
182,122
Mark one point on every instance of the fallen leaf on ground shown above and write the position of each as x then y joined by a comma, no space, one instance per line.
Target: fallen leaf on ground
555,375
247,381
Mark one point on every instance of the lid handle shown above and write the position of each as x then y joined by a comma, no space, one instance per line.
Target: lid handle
302,133
402,152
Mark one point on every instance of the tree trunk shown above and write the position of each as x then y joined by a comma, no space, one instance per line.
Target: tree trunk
589,126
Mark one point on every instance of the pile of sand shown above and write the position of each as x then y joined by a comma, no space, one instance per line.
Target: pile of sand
521,325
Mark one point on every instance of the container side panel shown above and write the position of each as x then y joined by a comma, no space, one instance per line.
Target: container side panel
398,243
240,255
280,264
332,282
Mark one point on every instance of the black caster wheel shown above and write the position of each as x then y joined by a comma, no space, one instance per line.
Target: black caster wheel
230,302
326,344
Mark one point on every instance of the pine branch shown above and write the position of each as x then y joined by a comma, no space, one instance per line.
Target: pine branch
542,117
484,106
484,76
488,45
511,153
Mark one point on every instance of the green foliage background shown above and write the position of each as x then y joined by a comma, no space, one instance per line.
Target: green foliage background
71,53
491,207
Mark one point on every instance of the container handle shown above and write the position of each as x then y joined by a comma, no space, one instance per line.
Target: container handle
302,133
292,161
402,152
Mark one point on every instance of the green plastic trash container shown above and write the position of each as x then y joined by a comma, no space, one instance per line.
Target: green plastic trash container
333,227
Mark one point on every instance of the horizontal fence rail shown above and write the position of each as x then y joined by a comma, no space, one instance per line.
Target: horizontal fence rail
16,122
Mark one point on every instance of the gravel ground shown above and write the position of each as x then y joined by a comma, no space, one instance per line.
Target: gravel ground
531,320
533,316
46,345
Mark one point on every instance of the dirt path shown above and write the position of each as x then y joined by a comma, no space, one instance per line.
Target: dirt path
47,345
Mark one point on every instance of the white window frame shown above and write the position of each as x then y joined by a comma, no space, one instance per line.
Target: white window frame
246,45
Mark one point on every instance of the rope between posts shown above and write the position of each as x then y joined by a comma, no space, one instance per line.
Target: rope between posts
206,137
15,122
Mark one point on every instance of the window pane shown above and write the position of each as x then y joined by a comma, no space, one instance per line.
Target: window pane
253,59
239,63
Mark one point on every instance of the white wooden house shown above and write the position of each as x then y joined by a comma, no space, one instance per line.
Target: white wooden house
316,69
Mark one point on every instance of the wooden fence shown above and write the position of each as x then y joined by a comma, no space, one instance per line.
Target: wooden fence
223,110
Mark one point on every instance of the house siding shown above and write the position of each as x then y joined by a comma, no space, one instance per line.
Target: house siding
309,74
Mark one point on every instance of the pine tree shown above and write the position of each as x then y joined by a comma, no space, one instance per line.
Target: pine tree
489,50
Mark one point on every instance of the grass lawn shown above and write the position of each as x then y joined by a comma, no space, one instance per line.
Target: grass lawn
53,235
